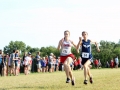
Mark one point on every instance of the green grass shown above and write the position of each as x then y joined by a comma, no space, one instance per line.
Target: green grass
104,79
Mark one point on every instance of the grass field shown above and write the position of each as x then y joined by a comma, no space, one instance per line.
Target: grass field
104,79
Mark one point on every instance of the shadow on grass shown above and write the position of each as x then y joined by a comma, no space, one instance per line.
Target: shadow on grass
40,87
4,89
24,87
28,87
51,87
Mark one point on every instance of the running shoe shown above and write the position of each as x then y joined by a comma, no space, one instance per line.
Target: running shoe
91,80
73,82
85,82
68,80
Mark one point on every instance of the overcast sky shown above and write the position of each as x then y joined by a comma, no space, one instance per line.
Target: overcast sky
41,23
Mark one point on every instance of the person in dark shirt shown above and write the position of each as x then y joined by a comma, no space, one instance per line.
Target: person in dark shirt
86,54
38,58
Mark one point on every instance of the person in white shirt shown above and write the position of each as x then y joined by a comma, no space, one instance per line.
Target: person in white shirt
26,63
66,56
116,62
50,62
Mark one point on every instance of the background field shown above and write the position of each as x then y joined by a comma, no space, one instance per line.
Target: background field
104,79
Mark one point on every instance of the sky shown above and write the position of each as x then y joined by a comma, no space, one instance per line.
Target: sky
41,23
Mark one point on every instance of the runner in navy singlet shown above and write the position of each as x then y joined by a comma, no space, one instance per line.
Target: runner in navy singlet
86,54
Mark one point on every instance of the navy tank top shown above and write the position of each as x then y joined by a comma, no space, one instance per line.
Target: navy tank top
86,49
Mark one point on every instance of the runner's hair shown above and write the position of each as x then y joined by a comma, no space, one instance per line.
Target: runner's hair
84,32
67,31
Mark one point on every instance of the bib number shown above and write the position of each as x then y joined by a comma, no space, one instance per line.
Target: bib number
85,55
65,51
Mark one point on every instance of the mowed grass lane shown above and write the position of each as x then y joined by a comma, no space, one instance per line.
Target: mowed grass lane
104,79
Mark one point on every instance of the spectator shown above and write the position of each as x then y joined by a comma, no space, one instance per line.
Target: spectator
99,64
22,61
7,66
107,64
54,62
57,64
61,66
14,57
24,56
19,62
43,63
26,63
10,64
50,62
46,58
38,62
96,63
79,63
30,64
112,63
4,65
116,62
16,62
75,65
1,59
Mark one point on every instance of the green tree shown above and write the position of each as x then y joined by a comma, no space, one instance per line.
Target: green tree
18,45
28,48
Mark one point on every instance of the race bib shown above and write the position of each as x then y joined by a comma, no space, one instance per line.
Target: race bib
85,55
65,51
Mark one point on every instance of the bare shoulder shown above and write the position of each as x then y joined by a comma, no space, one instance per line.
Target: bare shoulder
90,40
71,41
62,39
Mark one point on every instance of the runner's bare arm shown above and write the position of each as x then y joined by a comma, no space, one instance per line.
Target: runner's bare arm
74,44
79,44
59,45
96,44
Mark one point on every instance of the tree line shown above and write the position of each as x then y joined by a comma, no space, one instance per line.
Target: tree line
108,49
